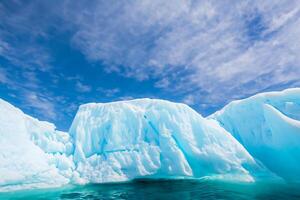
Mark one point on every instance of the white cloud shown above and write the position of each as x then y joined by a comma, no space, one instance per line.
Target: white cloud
108,92
41,103
189,100
23,25
126,98
206,51
28,89
223,49
3,76
80,87
163,83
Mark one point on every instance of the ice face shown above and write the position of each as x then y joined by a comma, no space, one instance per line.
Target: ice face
268,126
153,139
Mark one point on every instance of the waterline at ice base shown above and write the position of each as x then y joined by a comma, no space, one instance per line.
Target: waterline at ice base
249,140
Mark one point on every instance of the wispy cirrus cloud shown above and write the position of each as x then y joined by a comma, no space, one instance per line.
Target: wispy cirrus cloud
42,102
108,92
204,53
26,62
3,76
213,50
80,87
22,27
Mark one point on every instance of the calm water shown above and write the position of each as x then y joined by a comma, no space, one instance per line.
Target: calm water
165,190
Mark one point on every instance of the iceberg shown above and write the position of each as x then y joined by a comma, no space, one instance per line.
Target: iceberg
148,138
31,151
248,140
268,126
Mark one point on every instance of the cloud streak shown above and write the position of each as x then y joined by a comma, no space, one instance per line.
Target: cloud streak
203,53
80,87
226,50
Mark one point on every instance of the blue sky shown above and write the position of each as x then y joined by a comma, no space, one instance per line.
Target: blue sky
56,55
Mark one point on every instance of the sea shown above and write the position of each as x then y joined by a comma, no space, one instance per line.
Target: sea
165,190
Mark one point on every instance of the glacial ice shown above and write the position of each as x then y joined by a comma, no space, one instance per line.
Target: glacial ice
30,151
247,140
153,139
268,126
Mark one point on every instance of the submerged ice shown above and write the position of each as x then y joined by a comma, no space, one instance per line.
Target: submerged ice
247,140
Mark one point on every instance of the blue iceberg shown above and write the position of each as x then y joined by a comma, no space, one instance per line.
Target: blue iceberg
248,140
148,138
268,126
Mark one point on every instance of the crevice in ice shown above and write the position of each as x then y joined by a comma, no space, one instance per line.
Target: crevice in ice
153,128
171,136
122,150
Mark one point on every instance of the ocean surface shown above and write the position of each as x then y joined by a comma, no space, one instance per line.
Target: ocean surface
165,190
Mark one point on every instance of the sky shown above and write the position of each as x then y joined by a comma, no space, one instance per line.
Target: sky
56,55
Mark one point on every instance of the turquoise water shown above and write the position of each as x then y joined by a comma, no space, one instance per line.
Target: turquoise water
184,189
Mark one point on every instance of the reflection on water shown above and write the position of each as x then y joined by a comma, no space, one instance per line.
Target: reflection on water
183,189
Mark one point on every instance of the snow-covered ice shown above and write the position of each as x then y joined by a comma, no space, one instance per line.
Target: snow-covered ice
146,138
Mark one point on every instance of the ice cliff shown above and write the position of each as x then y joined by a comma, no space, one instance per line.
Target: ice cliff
110,142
